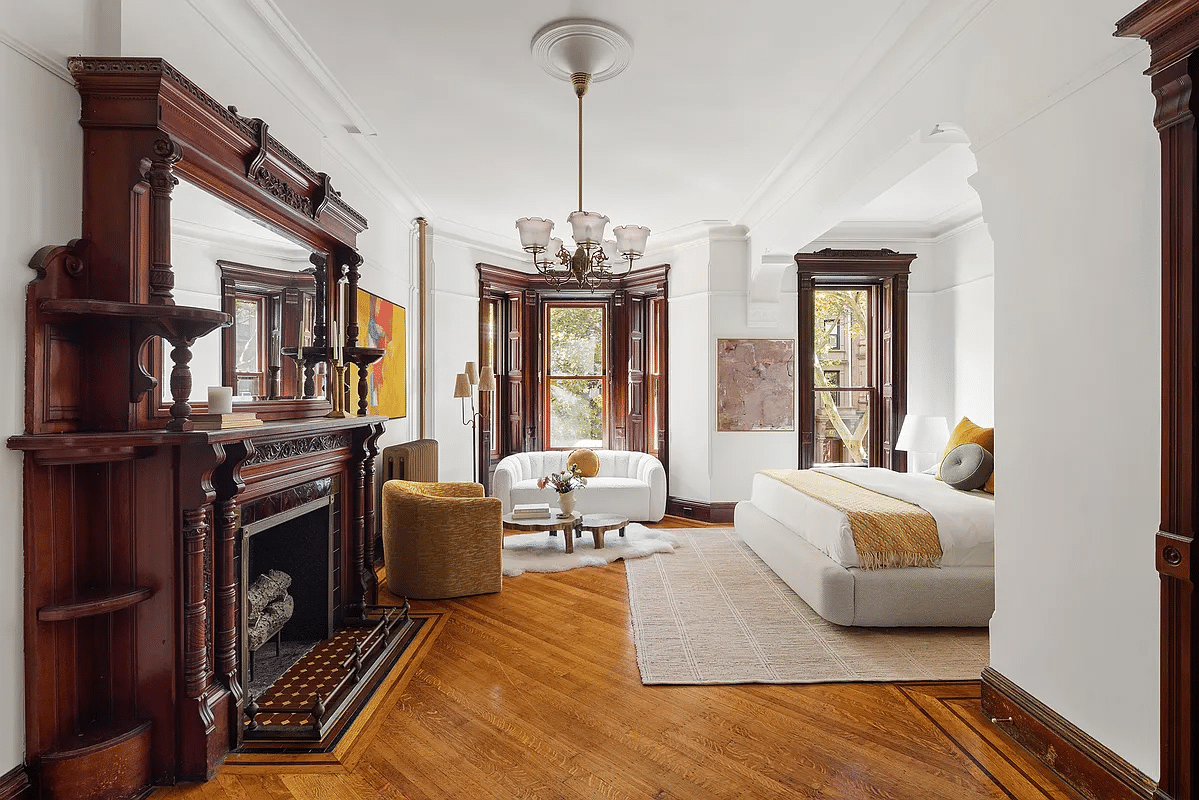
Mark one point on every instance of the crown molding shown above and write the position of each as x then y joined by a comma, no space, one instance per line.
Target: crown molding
287,36
693,233
56,67
904,231
910,41
250,27
1041,104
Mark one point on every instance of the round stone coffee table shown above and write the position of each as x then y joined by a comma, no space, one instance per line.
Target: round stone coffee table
553,523
599,524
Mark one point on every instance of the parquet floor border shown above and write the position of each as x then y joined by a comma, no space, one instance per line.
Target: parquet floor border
534,692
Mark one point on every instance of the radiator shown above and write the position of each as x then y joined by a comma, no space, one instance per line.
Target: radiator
411,461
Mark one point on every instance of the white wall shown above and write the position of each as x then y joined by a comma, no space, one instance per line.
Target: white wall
951,332
1072,200
454,321
40,195
690,364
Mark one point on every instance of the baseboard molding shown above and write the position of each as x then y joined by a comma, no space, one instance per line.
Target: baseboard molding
15,785
1091,769
700,511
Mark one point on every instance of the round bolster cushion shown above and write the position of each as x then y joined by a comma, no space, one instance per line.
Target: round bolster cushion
967,467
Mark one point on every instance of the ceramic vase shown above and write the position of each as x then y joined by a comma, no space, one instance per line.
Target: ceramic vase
566,502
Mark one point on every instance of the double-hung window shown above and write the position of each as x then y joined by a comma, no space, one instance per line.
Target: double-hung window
576,375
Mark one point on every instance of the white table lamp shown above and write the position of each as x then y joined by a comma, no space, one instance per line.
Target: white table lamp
921,434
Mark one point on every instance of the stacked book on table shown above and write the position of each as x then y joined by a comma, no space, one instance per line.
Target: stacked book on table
220,422
530,510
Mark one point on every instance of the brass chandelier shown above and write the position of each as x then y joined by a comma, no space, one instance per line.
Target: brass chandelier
582,51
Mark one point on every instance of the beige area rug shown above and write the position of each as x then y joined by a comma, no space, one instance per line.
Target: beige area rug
713,612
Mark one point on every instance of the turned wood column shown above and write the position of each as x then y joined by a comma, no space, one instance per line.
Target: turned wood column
364,591
352,274
320,328
162,180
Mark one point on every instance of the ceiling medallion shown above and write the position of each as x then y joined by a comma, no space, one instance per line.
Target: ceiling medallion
581,51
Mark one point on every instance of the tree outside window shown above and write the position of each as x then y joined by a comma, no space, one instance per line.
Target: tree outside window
576,375
841,335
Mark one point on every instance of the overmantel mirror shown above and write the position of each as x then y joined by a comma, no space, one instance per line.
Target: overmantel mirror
176,183
231,262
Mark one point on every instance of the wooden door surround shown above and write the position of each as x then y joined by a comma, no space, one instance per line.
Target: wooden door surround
132,517
887,271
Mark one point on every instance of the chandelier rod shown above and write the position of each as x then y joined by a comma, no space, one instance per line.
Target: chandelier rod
581,81
580,152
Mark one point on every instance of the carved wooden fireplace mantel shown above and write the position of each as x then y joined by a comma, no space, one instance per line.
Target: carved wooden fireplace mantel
134,522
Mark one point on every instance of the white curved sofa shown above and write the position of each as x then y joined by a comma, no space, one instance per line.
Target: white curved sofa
629,483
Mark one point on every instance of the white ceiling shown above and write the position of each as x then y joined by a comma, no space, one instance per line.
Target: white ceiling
715,98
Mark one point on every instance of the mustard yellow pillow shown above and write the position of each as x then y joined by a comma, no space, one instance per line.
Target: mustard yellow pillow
587,460
967,432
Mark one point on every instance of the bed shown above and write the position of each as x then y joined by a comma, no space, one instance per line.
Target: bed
809,545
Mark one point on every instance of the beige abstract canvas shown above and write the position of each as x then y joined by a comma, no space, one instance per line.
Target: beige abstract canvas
755,385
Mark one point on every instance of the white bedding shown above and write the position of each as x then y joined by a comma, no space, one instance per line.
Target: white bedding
965,520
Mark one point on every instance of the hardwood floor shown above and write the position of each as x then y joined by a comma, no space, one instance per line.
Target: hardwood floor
534,693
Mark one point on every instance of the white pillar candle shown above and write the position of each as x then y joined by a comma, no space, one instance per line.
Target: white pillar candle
220,399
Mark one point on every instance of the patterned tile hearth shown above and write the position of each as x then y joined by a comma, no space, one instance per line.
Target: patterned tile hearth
284,722
315,675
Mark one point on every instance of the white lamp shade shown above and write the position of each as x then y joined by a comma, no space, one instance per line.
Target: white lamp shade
461,385
920,434
587,227
549,256
487,380
631,239
534,233
610,250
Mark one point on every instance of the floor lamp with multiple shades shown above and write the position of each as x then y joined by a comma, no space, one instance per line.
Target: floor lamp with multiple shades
465,384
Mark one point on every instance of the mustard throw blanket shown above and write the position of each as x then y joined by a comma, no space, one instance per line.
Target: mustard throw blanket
886,532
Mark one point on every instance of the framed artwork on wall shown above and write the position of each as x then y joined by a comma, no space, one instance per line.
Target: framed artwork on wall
755,385
383,324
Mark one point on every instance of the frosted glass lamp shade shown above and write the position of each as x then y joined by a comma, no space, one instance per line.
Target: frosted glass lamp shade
610,250
461,385
631,239
920,434
534,233
587,227
472,374
487,380
549,256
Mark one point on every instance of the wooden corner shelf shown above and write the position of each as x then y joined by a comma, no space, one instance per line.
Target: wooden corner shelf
93,604
170,321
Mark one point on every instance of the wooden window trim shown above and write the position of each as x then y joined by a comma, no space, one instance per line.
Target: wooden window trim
839,269
518,382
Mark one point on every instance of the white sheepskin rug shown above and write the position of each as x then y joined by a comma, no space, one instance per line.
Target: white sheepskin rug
540,552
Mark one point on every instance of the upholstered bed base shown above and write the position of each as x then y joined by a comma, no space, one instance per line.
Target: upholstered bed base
913,596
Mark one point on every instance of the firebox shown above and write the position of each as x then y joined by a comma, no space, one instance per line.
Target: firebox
297,542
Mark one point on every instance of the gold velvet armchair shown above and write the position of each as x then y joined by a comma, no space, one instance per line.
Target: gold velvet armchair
441,539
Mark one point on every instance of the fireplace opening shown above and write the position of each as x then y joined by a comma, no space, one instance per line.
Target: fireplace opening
287,590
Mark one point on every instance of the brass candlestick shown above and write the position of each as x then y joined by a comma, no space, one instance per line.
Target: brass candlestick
337,391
